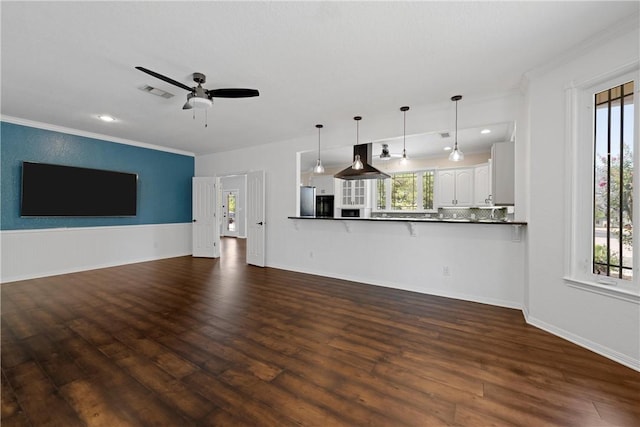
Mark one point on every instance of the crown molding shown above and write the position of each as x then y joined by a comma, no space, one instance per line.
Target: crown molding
77,132
624,26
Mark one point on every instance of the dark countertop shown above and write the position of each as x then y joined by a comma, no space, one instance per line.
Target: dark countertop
436,220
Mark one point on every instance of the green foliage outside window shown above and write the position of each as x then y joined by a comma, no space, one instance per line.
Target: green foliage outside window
404,192
381,194
428,181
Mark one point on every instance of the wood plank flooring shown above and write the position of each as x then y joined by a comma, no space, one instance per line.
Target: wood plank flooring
188,341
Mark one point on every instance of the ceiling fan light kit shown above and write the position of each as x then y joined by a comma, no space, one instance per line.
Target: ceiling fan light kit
197,102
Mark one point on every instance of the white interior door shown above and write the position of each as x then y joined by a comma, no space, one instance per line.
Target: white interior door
206,232
255,218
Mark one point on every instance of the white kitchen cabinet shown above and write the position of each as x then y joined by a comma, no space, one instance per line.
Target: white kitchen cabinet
455,187
354,192
482,185
324,184
503,173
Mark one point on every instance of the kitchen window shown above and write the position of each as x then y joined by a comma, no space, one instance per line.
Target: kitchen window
381,195
428,183
403,192
406,191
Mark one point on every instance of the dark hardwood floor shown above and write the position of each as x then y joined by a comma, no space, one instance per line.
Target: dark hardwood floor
188,341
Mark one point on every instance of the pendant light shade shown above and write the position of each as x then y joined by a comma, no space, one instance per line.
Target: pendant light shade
357,162
404,134
456,155
318,168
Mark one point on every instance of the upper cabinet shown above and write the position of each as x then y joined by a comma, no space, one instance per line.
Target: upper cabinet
455,187
354,192
324,184
482,185
503,173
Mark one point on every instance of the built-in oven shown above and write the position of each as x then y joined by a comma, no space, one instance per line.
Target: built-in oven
324,206
350,213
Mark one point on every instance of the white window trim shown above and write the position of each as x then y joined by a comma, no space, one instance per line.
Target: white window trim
579,179
419,196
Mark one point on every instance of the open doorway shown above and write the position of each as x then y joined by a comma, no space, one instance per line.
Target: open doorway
241,198
232,206
230,218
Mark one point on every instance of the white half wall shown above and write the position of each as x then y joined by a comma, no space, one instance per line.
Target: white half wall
474,262
28,254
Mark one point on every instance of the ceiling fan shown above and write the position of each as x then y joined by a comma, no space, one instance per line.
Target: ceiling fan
385,154
199,97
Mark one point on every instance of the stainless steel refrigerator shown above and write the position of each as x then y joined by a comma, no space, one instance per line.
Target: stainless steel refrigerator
307,201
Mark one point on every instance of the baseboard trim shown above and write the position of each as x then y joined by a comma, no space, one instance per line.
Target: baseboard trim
583,342
88,268
434,292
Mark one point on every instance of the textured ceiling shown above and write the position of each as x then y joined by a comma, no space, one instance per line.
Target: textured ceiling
64,63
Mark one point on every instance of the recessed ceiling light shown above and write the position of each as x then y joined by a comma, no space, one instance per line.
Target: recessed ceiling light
447,148
106,118
485,131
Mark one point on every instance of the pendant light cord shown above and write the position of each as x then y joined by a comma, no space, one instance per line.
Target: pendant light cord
404,133
456,144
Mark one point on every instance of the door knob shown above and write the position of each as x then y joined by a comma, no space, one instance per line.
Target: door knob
259,223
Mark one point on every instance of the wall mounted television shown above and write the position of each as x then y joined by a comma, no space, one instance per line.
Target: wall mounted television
57,190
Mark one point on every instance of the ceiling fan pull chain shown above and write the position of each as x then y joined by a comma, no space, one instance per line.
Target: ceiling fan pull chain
205,118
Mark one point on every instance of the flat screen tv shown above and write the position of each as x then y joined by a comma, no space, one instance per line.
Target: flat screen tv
57,190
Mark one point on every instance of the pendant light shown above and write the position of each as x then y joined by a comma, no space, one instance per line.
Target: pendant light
404,135
357,163
456,155
319,168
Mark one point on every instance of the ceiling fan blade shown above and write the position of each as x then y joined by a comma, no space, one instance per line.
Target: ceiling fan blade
165,78
233,93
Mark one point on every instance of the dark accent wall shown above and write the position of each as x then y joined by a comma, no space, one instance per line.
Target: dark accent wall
164,179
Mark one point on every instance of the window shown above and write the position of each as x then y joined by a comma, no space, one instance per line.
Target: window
612,231
603,255
406,191
428,180
381,195
403,191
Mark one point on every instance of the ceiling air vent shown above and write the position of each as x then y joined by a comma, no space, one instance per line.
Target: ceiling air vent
444,134
156,91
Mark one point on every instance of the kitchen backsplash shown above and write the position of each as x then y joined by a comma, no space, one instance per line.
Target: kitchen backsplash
498,214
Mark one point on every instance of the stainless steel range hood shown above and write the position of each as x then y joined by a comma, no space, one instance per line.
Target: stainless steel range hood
368,171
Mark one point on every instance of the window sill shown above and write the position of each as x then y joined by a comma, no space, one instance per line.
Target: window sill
612,291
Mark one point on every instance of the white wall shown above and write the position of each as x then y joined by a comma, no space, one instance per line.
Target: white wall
605,324
485,264
28,254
